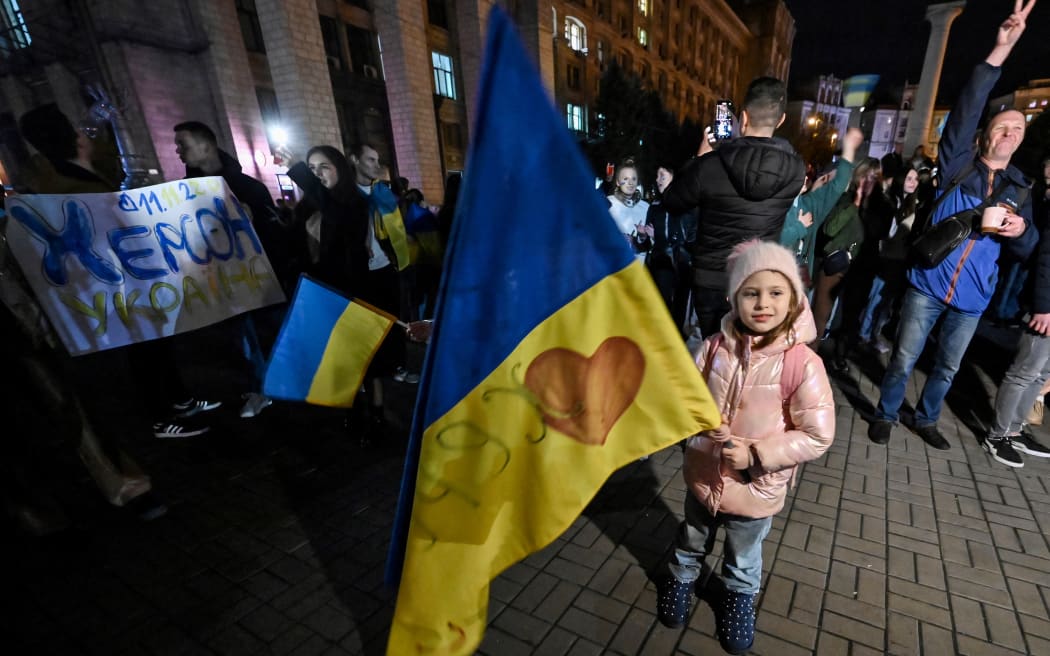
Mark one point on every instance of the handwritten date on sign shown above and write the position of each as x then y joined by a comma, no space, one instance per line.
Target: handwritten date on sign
584,397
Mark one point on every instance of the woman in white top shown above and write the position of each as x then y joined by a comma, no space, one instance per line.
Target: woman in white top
629,211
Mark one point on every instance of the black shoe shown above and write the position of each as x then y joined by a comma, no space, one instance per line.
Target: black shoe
1002,449
839,366
932,436
879,431
1025,443
146,507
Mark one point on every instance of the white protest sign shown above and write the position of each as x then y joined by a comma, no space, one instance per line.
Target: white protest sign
117,268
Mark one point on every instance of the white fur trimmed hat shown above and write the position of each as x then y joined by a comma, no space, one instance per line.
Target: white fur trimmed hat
753,256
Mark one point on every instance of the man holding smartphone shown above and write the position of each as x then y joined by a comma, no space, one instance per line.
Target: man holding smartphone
742,191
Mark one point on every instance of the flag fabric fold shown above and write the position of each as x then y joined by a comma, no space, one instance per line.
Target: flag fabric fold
553,362
324,347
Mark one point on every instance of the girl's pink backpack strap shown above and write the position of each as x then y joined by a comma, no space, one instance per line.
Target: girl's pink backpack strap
794,367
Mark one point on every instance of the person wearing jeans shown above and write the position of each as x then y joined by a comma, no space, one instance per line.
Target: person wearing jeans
1017,394
918,317
742,564
961,285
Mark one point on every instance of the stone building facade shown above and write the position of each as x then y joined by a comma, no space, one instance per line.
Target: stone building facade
399,74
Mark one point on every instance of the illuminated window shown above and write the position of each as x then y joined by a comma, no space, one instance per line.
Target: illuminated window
643,38
444,83
643,7
574,115
13,31
575,34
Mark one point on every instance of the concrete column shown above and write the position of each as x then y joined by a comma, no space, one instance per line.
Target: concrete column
410,93
229,75
536,23
295,52
471,25
940,17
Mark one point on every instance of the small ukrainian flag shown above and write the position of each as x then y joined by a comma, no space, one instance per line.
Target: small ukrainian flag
324,347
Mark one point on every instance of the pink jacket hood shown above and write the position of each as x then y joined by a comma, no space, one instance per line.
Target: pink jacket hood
781,434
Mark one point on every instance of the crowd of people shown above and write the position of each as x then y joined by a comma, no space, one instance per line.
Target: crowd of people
761,260
355,230
782,265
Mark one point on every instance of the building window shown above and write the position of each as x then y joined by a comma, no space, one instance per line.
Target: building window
251,31
643,7
643,37
14,33
364,52
444,83
330,38
437,13
452,135
574,114
602,8
575,34
572,77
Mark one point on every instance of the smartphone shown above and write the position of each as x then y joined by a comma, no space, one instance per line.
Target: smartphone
723,127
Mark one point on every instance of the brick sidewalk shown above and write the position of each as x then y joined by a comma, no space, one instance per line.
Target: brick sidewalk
278,531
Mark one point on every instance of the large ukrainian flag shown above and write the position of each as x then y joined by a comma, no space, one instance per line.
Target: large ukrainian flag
553,363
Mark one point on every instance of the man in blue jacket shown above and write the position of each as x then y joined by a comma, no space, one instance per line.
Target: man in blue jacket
960,287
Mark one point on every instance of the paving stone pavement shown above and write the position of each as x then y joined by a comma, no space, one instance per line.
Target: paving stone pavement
278,529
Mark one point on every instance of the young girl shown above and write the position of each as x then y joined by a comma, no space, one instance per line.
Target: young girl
777,412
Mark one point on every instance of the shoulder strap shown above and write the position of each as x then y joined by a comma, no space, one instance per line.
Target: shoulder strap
791,373
956,181
712,348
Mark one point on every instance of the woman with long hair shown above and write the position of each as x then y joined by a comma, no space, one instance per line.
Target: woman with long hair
628,209
332,219
890,278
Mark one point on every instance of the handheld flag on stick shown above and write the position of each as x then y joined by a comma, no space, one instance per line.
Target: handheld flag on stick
553,362
857,89
324,347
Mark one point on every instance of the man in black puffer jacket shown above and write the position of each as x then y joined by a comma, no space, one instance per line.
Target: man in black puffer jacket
742,190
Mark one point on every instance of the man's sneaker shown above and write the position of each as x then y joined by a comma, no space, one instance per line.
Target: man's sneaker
879,431
403,375
192,406
1002,449
932,436
736,627
175,429
1025,443
254,404
673,601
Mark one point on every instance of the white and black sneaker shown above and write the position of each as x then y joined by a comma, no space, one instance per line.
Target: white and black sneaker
1002,449
169,429
192,406
1025,443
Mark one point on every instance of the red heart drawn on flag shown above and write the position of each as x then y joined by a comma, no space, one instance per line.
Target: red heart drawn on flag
584,397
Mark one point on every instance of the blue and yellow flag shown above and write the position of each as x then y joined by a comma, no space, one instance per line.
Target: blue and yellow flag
553,363
857,89
324,347
389,225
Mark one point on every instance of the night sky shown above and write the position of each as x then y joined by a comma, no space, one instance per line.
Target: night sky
889,37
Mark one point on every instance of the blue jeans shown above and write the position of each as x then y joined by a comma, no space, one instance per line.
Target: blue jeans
918,316
878,311
742,560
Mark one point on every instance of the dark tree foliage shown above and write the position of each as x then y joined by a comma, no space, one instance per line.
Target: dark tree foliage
636,124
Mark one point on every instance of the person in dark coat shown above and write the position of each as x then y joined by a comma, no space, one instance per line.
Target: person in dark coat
742,190
335,234
668,260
